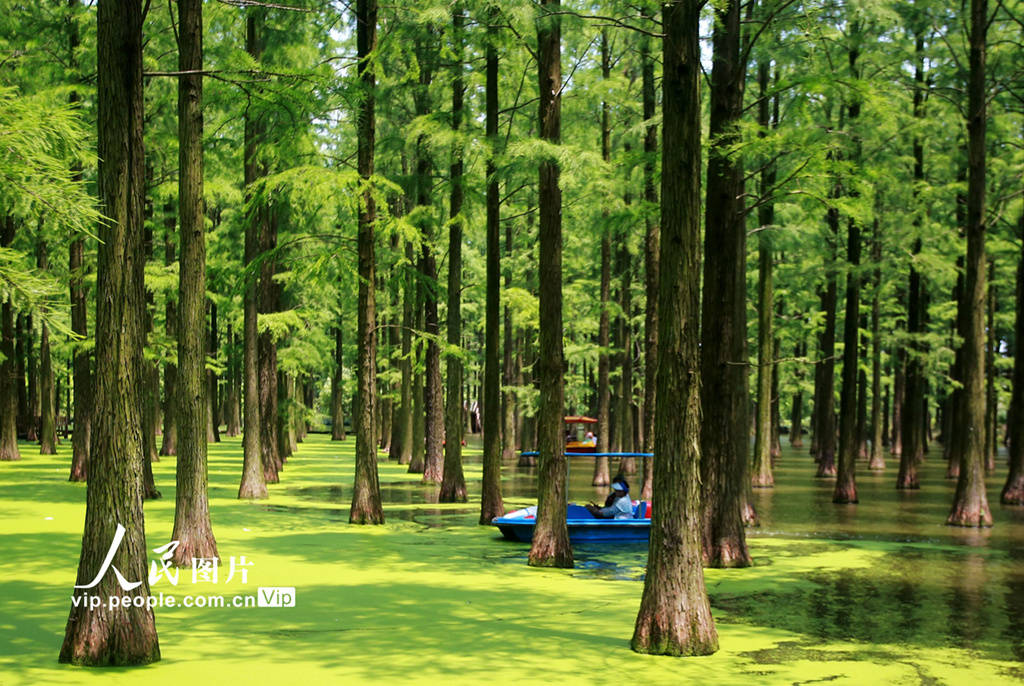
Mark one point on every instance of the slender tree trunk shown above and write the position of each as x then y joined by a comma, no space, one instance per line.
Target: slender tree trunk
824,401
761,470
81,371
267,348
1013,490
991,400
877,460
970,504
366,503
725,452
675,616
47,400
652,240
550,546
796,414
453,482
126,634
231,414
253,482
169,440
849,401
624,420
602,475
8,389
192,527
491,504
337,389
213,400
912,431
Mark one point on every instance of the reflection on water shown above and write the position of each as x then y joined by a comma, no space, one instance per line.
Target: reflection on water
935,586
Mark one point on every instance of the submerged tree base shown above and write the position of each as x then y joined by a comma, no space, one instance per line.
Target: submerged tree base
970,516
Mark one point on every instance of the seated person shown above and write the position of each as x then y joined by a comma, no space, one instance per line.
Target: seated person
590,439
617,505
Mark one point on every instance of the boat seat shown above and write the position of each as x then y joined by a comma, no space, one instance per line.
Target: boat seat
641,510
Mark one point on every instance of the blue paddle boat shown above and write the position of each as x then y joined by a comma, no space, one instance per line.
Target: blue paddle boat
583,526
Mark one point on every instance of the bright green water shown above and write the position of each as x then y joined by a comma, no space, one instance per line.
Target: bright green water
880,592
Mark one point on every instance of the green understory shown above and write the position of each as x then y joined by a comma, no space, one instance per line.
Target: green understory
876,594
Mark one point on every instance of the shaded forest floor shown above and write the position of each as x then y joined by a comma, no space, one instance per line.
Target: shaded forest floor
880,594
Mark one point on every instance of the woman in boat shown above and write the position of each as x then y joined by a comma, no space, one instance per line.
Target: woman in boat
617,505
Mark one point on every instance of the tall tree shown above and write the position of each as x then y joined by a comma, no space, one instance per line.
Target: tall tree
453,482
970,504
192,528
126,634
761,471
652,238
724,393
337,389
47,418
366,504
81,371
253,483
8,375
675,616
491,505
1013,490
550,546
602,476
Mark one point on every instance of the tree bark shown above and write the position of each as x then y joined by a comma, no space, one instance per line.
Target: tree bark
970,504
675,616
192,527
725,453
125,635
824,400
550,546
366,503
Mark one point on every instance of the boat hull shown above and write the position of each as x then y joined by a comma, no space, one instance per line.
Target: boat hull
519,526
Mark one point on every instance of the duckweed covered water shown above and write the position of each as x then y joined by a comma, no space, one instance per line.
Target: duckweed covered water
880,592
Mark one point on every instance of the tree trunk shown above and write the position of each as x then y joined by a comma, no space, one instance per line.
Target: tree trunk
675,616
652,239
491,503
366,504
602,474
877,459
724,452
337,389
192,528
761,469
267,359
213,399
824,400
231,414
169,440
125,635
991,400
453,482
8,389
1013,490
970,504
81,371
846,484
550,546
253,482
912,433
47,409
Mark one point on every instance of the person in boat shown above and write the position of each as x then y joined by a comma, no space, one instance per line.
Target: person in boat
590,440
617,505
